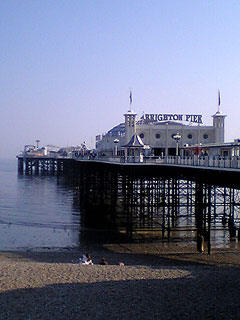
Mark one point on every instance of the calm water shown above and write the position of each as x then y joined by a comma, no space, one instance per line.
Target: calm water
35,211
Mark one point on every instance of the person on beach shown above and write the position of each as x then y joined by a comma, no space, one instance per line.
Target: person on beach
85,259
103,262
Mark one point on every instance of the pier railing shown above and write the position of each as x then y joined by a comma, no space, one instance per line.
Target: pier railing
206,161
196,161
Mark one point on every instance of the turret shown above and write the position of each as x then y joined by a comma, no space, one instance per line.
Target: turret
130,125
218,124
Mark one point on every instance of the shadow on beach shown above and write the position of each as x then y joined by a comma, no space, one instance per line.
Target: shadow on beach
206,295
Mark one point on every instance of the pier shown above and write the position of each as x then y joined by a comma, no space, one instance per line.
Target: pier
156,200
36,165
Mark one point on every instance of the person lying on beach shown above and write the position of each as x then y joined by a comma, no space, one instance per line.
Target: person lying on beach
85,259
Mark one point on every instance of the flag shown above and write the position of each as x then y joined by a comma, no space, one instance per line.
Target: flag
219,99
130,97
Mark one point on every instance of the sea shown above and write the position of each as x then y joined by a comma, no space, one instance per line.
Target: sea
36,211
39,212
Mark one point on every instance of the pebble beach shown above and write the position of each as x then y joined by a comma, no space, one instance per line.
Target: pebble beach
155,282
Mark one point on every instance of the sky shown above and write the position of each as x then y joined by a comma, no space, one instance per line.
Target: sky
67,66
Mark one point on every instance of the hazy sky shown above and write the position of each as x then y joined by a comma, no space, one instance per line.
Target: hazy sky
67,66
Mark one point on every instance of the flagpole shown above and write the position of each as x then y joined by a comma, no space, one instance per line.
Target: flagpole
219,100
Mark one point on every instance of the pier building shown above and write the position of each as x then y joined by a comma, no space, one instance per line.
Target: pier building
160,134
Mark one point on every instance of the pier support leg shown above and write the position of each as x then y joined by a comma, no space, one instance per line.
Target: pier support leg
200,243
20,166
168,213
163,212
199,216
209,219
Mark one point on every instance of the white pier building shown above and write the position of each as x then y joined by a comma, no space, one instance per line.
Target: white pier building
160,134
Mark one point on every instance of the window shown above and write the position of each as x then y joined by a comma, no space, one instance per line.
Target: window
205,136
157,135
141,135
189,136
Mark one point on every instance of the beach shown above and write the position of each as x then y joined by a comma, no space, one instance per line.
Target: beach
153,283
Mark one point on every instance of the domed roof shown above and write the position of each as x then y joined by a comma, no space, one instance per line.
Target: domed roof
118,129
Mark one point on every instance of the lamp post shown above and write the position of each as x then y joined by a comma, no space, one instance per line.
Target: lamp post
177,137
115,141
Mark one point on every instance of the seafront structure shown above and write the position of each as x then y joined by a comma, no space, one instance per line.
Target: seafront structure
161,196
160,134
163,173
141,200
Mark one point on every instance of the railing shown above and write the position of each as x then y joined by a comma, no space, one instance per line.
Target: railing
205,161
196,161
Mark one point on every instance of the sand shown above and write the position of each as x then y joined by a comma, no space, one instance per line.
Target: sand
156,282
